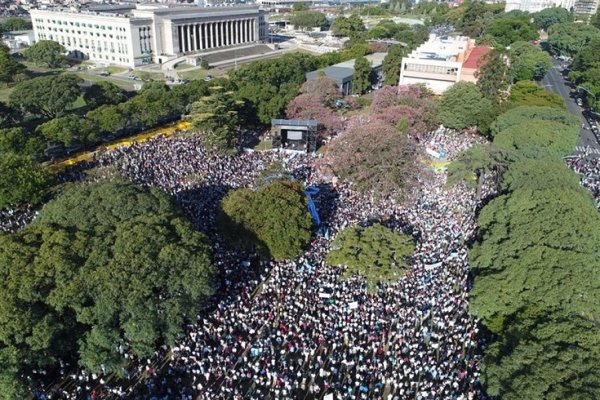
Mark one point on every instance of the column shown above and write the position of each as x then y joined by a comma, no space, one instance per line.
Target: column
253,26
192,38
180,38
186,36
235,32
213,33
227,33
198,28
244,31
204,37
221,35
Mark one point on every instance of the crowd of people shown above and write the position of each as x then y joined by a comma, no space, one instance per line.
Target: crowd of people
589,170
296,329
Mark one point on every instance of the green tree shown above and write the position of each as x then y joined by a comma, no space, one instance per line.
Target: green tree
268,86
376,252
522,114
216,116
15,24
550,357
273,219
529,93
103,92
68,130
537,249
309,19
538,174
528,62
509,30
107,119
76,287
492,77
547,17
48,96
301,7
8,115
472,165
538,139
23,180
595,20
463,106
17,140
363,73
392,63
46,52
568,38
9,67
342,26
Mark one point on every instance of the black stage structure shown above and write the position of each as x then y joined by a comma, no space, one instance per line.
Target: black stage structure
295,134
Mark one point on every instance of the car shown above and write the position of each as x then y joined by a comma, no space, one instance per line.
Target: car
104,73
579,102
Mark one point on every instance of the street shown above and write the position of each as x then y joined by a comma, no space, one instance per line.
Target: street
554,82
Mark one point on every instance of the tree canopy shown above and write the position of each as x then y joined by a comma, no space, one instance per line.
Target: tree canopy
104,265
538,139
530,94
547,17
507,29
23,180
309,19
535,262
463,106
216,116
48,96
342,26
104,92
363,75
528,62
17,140
568,38
376,252
9,67
273,219
46,52
392,63
375,157
522,114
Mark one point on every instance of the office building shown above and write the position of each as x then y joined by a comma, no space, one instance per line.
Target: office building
533,6
133,35
441,62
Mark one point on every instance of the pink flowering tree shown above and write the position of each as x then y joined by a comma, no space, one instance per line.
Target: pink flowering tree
375,157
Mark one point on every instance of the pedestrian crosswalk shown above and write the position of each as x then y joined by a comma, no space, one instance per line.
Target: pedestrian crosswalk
587,149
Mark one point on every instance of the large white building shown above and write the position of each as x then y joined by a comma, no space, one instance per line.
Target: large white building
136,35
533,6
441,62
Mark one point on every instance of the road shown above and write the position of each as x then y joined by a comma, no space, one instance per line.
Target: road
554,82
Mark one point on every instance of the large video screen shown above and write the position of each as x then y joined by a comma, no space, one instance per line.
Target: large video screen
294,135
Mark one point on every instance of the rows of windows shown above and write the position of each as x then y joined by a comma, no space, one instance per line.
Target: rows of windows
79,24
435,69
79,32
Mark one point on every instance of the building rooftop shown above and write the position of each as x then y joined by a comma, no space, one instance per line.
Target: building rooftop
344,71
475,55
445,48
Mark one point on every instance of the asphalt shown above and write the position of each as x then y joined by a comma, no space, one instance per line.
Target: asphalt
554,81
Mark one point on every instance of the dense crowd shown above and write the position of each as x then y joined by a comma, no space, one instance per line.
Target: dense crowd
589,170
295,329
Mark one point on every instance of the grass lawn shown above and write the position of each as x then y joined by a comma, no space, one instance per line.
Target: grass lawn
123,83
200,73
113,69
183,66
157,76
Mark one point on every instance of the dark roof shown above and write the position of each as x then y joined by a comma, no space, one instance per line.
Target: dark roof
339,74
295,122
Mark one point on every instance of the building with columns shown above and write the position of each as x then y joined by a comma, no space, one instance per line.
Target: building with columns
150,33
